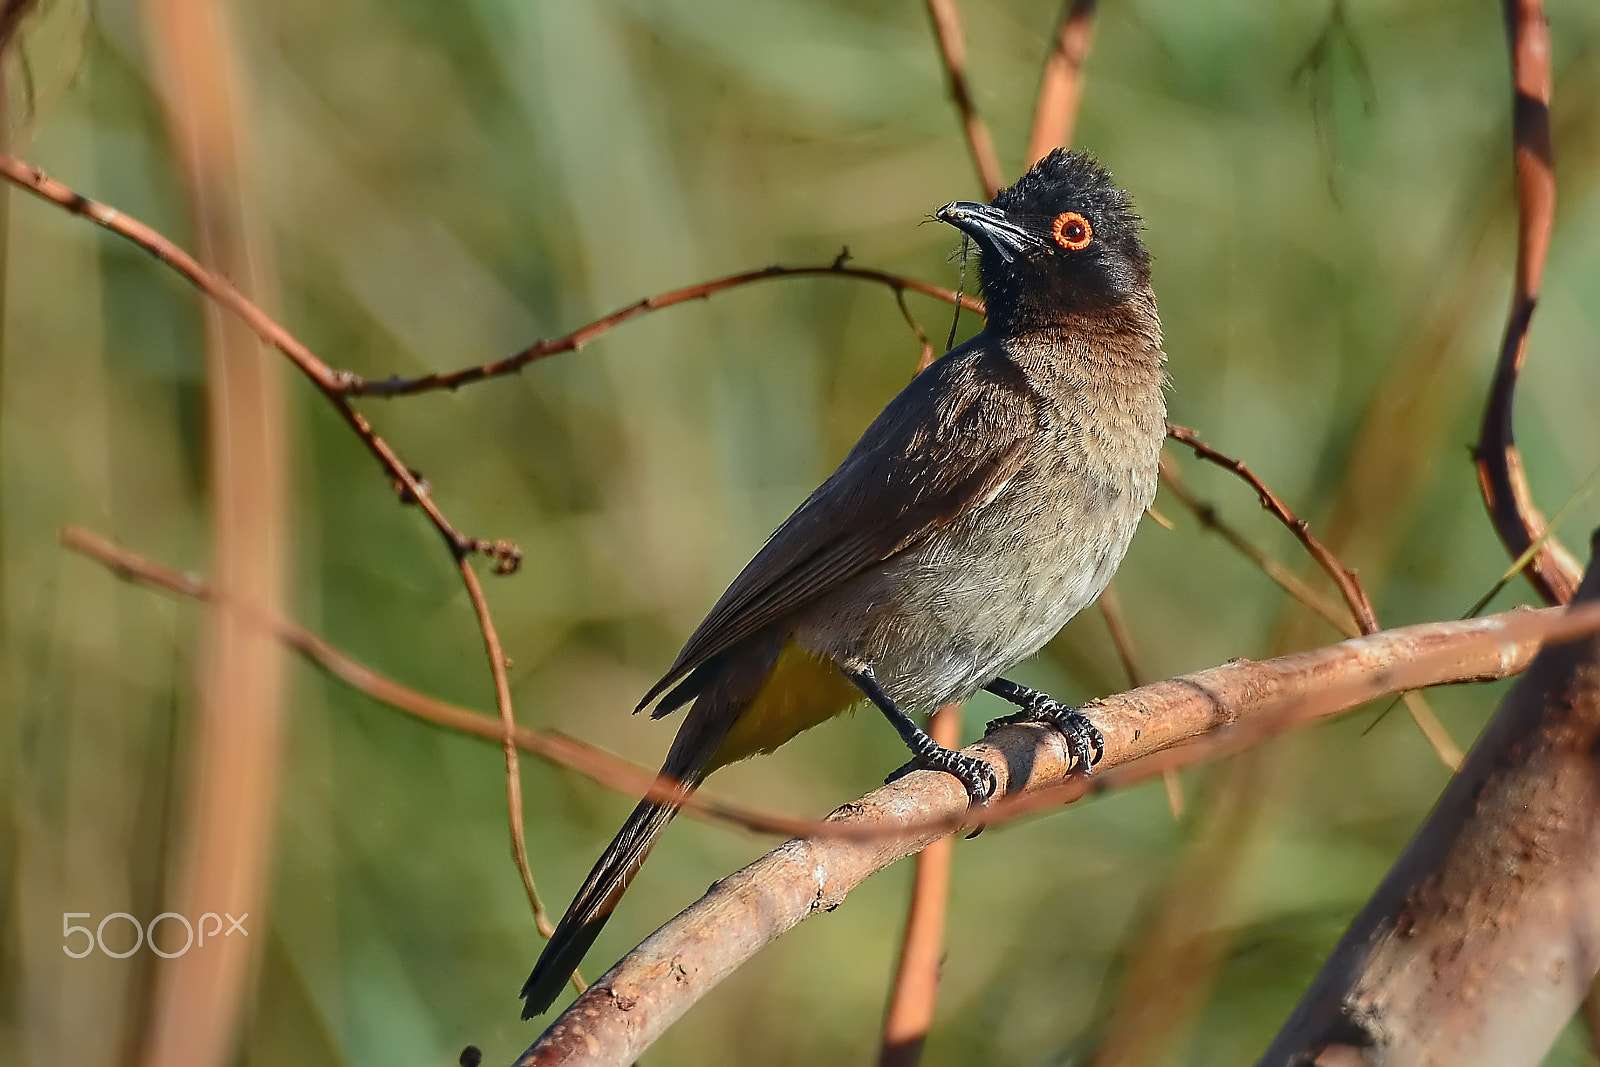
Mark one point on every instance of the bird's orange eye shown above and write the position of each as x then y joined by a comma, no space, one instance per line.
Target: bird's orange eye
1072,231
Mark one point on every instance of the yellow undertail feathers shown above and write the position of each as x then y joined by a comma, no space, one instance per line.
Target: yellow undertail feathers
801,692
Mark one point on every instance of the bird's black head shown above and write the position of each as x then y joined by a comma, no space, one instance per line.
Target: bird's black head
1060,242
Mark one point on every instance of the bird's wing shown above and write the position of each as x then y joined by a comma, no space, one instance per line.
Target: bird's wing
950,441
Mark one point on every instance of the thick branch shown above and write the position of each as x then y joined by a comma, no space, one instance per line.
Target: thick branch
656,983
1484,937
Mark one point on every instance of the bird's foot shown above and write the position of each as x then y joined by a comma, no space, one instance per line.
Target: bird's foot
1085,743
973,773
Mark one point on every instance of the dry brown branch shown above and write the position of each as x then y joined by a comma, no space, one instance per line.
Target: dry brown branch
1345,579
915,991
1286,579
1061,85
1484,937
953,50
508,744
1504,483
507,557
228,801
1355,597
354,385
607,770
637,999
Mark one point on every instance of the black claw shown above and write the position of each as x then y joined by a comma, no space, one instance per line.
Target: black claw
978,777
901,771
1085,743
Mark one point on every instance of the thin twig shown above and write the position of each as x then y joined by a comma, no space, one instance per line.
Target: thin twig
354,385
508,725
1121,637
1355,597
506,556
1286,579
1501,478
953,50
1061,85
1349,586
26,176
599,766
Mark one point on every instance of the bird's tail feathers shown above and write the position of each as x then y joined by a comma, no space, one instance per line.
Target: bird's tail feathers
718,703
590,909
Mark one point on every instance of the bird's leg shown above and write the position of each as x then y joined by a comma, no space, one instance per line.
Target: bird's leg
1085,743
975,774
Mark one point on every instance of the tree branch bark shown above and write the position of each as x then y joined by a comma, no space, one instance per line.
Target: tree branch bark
652,986
1483,939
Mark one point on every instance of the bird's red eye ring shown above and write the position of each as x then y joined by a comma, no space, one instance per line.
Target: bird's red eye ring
1072,231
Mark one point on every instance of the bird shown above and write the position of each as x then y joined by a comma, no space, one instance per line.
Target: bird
989,502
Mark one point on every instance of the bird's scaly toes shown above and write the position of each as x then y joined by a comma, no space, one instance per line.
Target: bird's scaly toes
1085,743
973,773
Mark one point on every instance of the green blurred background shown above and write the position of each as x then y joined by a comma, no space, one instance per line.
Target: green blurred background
445,183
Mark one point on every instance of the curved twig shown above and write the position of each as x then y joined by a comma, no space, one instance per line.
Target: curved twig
1553,571
355,385
1286,579
411,487
599,766
1355,596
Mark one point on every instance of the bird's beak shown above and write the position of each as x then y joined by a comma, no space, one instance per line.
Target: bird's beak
989,227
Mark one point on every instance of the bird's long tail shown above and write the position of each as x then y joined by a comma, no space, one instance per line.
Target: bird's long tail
589,910
706,741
